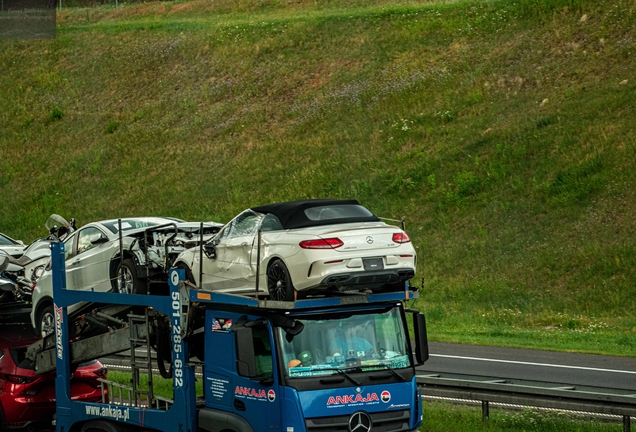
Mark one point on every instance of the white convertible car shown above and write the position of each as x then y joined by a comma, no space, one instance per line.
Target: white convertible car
305,247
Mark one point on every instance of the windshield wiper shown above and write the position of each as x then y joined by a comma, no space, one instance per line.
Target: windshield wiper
344,373
390,369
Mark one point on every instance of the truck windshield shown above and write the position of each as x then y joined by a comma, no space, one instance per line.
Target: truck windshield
334,343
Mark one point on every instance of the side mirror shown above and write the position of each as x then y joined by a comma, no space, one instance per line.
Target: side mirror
20,242
210,250
245,361
97,239
421,337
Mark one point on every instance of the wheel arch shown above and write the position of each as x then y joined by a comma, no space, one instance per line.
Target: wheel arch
44,302
220,421
114,262
100,425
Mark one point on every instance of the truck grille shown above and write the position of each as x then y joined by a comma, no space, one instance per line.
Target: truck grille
392,421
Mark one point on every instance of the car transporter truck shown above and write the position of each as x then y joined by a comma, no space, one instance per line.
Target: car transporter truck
341,362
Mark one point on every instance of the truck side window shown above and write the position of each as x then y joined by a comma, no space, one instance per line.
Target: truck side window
262,352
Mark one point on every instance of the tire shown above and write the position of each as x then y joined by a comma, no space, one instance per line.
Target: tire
188,272
5,296
279,283
46,321
131,281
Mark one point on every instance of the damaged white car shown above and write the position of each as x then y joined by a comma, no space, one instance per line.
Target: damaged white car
102,257
303,247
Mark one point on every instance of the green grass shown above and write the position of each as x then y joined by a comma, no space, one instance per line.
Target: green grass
502,131
446,417
161,386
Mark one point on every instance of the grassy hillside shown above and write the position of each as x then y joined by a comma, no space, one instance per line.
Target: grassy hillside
502,131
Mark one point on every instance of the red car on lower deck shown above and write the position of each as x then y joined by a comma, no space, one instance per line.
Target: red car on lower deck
27,400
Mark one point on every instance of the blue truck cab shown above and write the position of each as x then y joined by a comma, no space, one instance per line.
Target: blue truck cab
311,368
344,363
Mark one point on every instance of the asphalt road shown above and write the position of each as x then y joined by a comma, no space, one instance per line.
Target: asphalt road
510,363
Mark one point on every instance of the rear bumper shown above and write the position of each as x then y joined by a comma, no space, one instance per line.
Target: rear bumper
370,279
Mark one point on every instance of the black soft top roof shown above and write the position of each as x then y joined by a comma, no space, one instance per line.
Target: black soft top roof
292,215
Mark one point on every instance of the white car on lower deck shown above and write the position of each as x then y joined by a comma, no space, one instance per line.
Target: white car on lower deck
102,257
305,247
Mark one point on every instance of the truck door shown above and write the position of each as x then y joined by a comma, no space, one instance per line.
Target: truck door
257,399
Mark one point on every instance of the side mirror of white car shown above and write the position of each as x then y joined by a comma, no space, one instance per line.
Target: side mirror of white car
97,239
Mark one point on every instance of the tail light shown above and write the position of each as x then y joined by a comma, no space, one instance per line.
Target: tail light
18,379
101,372
330,243
401,237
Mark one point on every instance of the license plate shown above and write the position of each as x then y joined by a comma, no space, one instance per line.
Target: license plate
373,264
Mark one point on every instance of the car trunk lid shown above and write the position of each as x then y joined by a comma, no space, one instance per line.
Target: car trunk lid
367,238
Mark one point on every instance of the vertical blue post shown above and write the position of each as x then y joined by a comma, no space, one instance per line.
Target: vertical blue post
183,372
62,353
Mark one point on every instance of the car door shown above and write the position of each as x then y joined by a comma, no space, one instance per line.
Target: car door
235,263
72,281
91,261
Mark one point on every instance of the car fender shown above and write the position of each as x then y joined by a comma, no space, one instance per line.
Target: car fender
42,303
186,258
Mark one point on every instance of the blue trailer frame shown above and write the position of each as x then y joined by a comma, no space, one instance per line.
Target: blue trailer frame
181,416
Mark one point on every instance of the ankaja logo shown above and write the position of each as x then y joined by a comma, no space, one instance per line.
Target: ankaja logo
248,391
343,400
271,395
360,422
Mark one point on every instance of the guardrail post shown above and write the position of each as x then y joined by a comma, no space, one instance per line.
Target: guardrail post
626,423
485,410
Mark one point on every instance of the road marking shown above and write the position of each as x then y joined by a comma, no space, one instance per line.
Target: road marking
534,364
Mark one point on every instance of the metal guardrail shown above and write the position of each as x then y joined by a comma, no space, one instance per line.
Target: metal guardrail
539,394
531,393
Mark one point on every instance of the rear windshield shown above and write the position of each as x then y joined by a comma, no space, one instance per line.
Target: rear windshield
333,212
19,358
128,224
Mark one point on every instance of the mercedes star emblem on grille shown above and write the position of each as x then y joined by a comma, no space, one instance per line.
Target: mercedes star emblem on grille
360,422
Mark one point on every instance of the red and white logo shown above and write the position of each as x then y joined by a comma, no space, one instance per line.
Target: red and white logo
352,399
271,395
385,396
